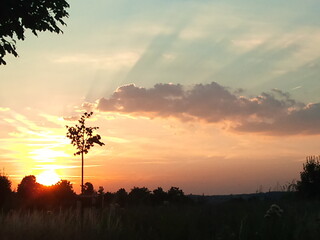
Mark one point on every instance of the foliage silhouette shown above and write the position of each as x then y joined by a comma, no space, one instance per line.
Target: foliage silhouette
143,196
37,15
159,196
109,198
83,139
29,188
121,197
139,196
101,190
5,189
63,191
88,189
309,184
35,195
176,195
101,196
57,196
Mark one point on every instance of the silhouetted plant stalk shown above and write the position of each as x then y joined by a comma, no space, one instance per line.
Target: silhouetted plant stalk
83,139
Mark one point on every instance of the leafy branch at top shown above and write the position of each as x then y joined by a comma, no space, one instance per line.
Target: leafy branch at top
83,137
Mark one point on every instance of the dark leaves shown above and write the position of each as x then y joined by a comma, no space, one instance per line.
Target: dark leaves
83,137
36,15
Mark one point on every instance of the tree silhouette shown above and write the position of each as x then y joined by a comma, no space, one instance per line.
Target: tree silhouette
88,189
28,189
109,197
176,195
5,189
159,196
139,196
309,185
101,190
37,15
63,193
63,189
121,197
83,139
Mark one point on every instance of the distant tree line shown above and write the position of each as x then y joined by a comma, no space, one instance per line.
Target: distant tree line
32,195
143,196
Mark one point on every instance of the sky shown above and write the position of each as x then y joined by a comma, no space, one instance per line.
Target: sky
214,97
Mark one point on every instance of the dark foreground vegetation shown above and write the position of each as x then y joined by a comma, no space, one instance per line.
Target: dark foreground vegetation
289,219
39,212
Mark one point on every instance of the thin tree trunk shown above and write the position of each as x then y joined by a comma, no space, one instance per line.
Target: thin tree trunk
82,190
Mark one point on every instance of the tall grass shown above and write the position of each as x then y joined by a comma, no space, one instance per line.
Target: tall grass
229,220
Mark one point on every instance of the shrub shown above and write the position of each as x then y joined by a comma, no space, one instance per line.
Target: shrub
309,185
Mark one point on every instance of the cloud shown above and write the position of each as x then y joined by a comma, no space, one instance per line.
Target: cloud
303,121
72,118
114,61
272,113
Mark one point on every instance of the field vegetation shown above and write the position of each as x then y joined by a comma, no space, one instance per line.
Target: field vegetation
235,219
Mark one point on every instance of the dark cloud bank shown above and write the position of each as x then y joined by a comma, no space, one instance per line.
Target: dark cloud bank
274,113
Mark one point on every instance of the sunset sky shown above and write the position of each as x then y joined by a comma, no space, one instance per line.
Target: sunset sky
214,97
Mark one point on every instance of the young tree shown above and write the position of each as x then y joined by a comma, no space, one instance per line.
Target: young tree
83,139
37,15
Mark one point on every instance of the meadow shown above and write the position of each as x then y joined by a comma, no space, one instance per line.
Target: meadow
287,218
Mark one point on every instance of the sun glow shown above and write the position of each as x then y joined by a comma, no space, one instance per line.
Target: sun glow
48,178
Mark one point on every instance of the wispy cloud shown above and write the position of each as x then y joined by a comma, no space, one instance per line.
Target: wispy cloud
272,113
111,61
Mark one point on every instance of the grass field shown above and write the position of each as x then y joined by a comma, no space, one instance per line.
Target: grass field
298,219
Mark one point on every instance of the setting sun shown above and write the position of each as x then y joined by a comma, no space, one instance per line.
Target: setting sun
48,178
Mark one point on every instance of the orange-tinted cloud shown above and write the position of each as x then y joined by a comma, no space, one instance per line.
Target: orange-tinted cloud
274,113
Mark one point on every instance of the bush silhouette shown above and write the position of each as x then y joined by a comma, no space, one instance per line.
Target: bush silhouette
309,185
